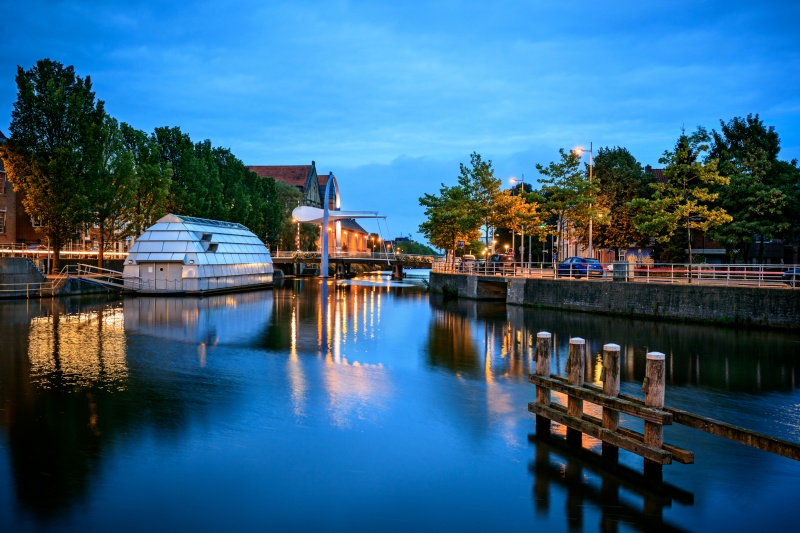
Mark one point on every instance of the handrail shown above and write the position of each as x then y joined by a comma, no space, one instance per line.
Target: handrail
719,274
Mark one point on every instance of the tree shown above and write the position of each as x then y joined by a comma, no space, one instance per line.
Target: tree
620,179
683,201
757,196
151,180
112,191
47,157
568,193
196,189
482,191
288,198
450,217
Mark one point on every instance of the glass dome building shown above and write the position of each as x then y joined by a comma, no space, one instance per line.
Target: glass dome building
181,254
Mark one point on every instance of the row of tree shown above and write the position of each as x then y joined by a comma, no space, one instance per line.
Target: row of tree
729,184
79,168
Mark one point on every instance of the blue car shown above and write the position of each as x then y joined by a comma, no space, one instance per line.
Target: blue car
579,267
791,277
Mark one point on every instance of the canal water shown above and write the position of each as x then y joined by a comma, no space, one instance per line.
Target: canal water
365,405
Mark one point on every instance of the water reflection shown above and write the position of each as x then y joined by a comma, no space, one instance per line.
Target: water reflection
623,496
699,355
84,348
335,396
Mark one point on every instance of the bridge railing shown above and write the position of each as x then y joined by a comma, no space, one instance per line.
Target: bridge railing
378,256
718,274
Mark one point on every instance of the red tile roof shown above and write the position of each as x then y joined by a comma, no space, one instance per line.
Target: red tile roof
296,175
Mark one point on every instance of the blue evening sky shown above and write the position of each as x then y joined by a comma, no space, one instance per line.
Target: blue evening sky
392,95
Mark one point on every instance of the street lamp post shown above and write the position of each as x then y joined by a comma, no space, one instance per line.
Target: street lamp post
522,238
580,151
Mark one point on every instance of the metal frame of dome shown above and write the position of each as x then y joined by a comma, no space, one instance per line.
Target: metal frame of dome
196,255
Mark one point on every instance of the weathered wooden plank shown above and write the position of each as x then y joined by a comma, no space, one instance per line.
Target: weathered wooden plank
655,387
680,455
748,437
738,434
639,448
596,396
576,362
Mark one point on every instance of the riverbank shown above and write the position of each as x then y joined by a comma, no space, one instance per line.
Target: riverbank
746,306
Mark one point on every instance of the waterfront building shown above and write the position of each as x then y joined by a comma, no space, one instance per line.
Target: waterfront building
181,254
347,235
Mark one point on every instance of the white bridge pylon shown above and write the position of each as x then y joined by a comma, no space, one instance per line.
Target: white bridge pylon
315,215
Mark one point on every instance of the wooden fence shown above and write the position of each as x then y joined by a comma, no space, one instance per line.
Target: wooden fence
650,445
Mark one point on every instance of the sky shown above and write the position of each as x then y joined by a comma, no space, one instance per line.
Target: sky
391,96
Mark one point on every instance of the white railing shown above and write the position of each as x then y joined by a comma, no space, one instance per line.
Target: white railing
378,256
42,252
722,274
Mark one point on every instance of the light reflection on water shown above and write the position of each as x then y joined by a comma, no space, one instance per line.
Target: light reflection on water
354,405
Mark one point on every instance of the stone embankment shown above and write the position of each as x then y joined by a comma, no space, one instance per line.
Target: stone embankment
19,277
752,306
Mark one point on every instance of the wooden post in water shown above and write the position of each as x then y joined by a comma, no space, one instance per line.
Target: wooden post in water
575,365
610,378
654,387
544,349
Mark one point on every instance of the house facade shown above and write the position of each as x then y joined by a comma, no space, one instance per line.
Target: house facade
346,235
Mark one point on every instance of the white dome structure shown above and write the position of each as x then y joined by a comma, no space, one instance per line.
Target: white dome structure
181,254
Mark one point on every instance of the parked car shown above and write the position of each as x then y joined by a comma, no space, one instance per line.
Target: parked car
468,263
500,264
791,277
579,267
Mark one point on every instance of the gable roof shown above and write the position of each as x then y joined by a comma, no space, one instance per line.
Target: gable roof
658,173
296,175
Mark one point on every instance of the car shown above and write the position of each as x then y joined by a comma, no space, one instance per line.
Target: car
468,263
579,267
500,264
791,277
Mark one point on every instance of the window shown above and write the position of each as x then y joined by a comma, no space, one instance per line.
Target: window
2,222
2,182
36,222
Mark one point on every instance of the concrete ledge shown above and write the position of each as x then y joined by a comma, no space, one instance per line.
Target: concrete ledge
750,306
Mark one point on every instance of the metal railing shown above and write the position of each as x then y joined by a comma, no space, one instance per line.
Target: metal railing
721,274
42,252
378,256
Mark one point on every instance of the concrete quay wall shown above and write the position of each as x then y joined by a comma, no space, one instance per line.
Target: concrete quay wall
762,307
16,273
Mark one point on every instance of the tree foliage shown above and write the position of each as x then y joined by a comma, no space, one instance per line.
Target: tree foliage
151,180
620,179
48,156
568,193
684,202
758,195
450,217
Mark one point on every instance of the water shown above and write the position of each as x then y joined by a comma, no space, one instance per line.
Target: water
361,406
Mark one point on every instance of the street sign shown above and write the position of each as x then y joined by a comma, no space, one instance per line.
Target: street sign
460,244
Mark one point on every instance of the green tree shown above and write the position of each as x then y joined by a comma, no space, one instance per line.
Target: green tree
757,196
683,202
196,189
568,194
112,191
451,217
151,181
620,179
482,192
47,156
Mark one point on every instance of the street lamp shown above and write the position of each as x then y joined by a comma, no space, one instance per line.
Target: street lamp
521,180
579,151
522,239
